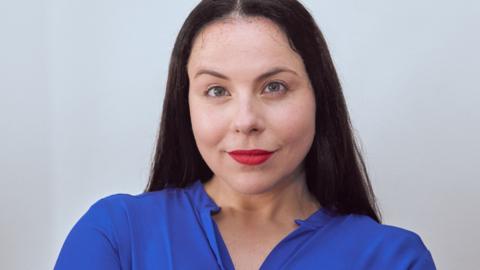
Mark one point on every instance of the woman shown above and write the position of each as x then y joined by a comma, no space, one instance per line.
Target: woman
255,167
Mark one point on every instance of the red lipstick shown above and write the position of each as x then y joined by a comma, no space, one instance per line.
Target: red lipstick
250,157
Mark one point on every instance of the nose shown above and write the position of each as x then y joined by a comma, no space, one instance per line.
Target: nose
248,118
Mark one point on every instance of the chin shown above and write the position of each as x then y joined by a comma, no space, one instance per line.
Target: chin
251,185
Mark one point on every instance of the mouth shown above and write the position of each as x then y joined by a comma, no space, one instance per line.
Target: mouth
250,157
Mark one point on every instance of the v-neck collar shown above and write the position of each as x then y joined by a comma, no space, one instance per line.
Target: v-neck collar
206,207
203,202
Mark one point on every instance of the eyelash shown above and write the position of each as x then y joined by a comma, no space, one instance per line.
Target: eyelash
282,84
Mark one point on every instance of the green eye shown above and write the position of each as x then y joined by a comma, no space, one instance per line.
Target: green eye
275,87
217,91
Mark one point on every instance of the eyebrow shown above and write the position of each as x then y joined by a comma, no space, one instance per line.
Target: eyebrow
265,75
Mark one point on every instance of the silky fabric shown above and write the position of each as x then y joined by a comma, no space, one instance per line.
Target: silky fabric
174,229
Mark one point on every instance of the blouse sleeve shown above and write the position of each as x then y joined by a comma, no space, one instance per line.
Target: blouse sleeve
413,253
425,262
91,244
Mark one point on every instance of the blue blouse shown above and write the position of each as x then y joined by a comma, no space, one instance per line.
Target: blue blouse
174,229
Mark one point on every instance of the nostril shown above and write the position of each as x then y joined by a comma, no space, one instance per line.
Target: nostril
247,130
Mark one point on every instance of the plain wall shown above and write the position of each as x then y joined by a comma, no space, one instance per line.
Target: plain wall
81,92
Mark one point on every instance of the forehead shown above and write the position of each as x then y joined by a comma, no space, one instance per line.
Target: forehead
242,42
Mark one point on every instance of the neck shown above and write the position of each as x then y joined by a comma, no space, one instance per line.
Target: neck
286,201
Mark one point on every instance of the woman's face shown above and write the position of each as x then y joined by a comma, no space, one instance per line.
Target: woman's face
250,90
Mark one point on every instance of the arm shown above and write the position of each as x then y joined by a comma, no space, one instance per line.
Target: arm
91,243
425,262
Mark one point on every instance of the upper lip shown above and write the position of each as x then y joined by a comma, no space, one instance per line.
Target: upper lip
250,152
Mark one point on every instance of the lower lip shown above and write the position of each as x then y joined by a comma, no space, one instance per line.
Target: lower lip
251,159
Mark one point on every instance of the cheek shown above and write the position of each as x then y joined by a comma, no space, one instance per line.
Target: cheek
295,124
208,126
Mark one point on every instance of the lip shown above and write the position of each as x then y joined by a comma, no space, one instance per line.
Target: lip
251,157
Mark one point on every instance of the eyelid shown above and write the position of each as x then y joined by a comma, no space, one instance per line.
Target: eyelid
282,83
212,87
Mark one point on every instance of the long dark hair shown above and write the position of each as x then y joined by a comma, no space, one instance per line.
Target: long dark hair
335,171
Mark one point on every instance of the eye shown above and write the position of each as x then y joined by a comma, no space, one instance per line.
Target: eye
275,88
217,91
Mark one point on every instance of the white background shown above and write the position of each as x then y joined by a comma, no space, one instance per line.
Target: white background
82,84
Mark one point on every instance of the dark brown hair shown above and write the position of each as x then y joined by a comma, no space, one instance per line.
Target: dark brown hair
335,171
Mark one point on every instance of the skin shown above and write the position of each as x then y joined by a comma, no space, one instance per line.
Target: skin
276,113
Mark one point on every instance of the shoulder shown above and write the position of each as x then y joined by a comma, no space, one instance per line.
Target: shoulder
113,226
121,206
356,223
384,232
386,245
121,218
365,229
144,199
